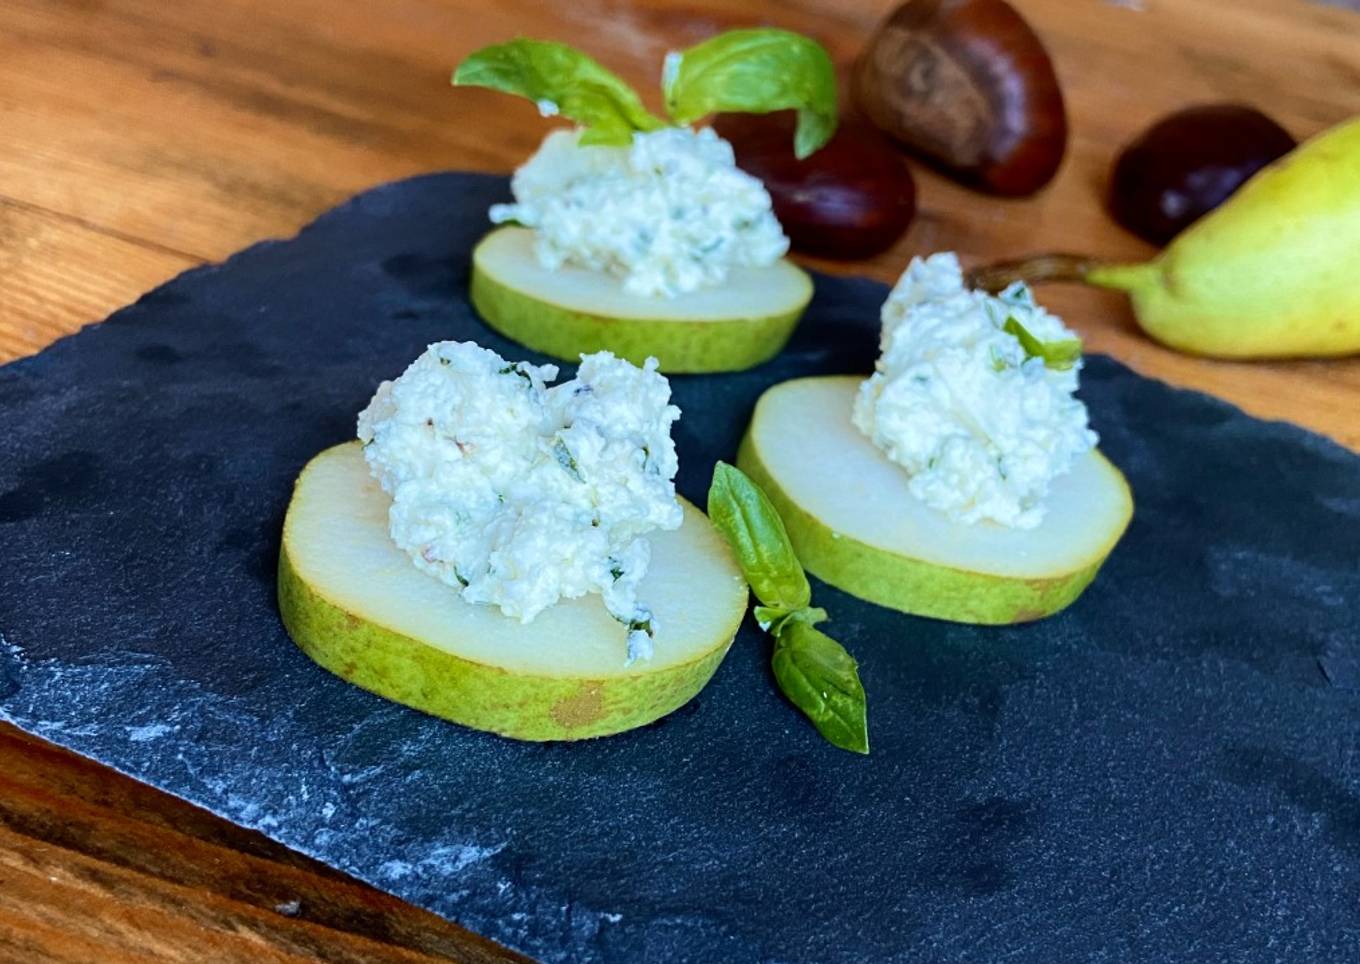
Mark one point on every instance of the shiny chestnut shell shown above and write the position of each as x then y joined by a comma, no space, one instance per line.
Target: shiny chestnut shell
1188,163
851,199
968,85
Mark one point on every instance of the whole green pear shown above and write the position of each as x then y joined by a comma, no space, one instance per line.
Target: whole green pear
1274,272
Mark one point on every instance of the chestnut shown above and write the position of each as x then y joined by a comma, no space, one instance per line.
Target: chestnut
968,85
851,199
1188,163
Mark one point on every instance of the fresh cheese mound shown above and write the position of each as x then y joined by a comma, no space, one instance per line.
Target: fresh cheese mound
519,493
669,214
982,424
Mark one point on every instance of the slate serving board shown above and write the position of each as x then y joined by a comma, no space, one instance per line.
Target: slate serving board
1168,770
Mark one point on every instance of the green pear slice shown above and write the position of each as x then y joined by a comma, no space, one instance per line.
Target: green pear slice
855,524
572,311
354,602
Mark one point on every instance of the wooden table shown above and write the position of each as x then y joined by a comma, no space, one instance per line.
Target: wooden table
139,138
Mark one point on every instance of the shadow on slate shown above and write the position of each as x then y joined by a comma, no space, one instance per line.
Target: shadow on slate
1169,769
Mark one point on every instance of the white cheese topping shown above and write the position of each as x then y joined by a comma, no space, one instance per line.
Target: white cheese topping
956,400
669,214
520,494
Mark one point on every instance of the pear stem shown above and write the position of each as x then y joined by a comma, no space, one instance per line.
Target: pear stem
1042,268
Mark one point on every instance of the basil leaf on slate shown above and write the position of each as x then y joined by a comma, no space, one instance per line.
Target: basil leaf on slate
814,671
755,72
744,515
561,80
822,679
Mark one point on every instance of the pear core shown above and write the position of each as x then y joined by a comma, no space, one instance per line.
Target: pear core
571,311
354,602
855,524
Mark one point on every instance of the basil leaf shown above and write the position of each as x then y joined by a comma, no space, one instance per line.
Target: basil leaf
744,515
755,72
1058,355
822,679
773,619
561,80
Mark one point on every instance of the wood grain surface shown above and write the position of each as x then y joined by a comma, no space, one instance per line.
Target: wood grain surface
139,138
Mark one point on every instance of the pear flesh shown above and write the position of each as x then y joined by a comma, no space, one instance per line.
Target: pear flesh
354,602
570,311
1272,273
855,524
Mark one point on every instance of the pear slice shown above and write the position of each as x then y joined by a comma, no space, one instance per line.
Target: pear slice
855,524
354,602
571,311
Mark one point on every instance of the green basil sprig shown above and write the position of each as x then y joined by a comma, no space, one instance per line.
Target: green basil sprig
1059,355
747,71
562,80
814,671
755,72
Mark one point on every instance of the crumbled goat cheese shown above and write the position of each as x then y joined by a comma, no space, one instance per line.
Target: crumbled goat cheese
981,427
669,214
518,493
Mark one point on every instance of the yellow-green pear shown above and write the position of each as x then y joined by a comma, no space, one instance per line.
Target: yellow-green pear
1272,273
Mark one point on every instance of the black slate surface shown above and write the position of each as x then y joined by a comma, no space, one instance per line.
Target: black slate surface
1168,770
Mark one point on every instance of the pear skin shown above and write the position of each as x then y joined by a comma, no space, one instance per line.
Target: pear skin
1272,273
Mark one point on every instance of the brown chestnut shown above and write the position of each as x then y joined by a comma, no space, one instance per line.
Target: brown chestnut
851,199
1188,163
968,85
